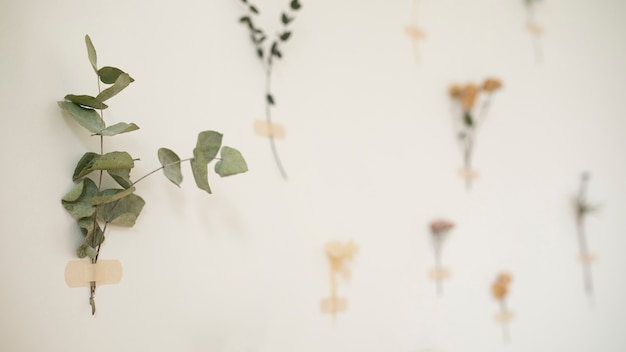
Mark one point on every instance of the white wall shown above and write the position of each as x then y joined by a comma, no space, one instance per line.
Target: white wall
371,157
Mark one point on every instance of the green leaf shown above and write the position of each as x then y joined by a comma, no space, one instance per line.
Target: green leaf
467,119
171,165
77,201
91,53
104,199
88,118
231,163
118,128
121,176
253,9
207,146
259,52
86,100
85,250
114,160
91,239
285,36
295,5
200,174
245,19
285,19
123,212
122,81
109,161
270,99
84,165
109,75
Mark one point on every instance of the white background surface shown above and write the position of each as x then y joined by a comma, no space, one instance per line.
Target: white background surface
371,156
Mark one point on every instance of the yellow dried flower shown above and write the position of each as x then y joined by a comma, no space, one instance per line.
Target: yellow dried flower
500,287
491,84
454,91
468,96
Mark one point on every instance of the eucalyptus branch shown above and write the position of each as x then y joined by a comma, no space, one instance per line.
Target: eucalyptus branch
582,209
88,203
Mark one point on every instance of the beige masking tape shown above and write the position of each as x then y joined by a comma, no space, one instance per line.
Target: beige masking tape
587,257
439,274
81,273
534,28
333,305
468,174
265,129
504,317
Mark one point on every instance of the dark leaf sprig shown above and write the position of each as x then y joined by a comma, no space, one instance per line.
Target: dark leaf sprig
268,49
95,208
583,208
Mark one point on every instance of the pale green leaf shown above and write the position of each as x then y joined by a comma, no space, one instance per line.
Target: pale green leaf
200,174
88,118
171,165
77,201
104,199
110,161
84,165
91,53
123,212
110,74
122,81
207,146
86,100
118,128
121,176
85,250
231,163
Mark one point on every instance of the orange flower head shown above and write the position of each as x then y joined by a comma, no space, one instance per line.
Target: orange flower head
499,290
440,227
468,96
492,84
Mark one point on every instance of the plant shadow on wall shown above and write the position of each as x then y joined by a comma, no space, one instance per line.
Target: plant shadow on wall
95,207
269,51
471,102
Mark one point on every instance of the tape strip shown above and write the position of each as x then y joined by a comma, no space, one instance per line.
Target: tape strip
504,317
81,273
439,274
333,305
262,128
468,174
587,257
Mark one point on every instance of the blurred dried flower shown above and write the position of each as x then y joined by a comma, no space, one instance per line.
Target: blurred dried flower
468,96
491,84
454,91
500,287
440,227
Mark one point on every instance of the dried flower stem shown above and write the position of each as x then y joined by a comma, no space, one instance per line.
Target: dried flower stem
580,229
506,336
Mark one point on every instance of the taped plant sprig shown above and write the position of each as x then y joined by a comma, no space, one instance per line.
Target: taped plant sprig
583,208
500,291
439,230
268,51
339,255
414,32
535,29
472,102
95,207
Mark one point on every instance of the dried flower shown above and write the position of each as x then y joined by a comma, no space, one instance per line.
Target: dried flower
468,96
491,84
440,227
500,287
454,91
